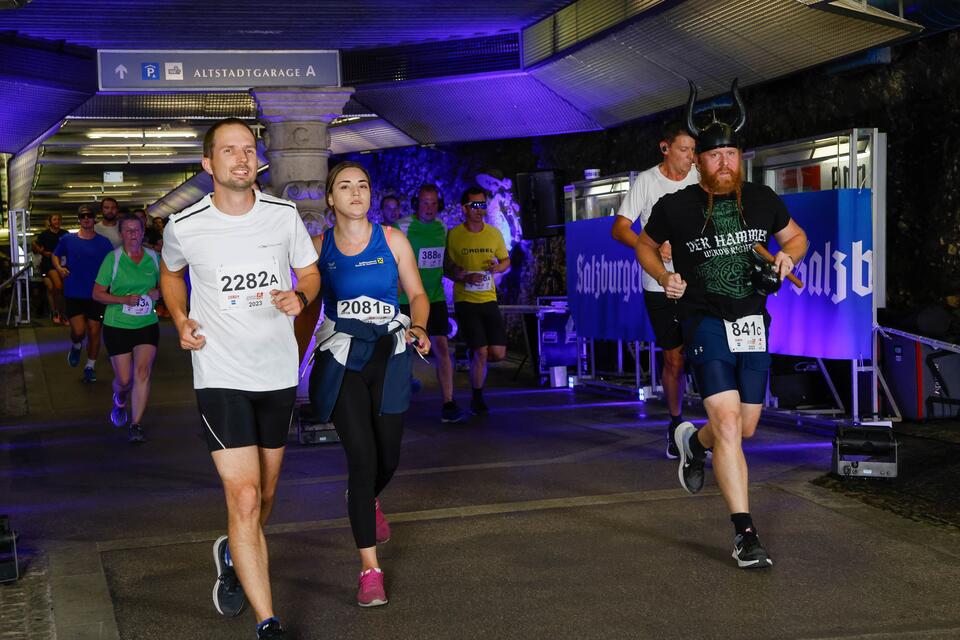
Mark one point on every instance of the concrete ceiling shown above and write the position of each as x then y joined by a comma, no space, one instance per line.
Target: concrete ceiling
426,72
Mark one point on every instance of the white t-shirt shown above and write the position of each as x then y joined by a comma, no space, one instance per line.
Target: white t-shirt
648,187
234,263
111,233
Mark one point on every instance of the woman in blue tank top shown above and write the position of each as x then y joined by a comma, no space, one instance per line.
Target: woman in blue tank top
361,374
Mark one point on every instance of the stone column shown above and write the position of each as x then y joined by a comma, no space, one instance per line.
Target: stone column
298,143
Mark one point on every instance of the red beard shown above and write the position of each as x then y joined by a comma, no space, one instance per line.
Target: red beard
722,184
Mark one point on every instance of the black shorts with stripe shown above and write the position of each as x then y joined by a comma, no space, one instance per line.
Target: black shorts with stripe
233,418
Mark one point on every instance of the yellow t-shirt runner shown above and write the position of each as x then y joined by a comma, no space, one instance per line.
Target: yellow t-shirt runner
473,252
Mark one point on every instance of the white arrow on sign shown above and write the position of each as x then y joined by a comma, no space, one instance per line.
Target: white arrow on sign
121,71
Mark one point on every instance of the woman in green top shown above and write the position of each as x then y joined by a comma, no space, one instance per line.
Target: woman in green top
127,283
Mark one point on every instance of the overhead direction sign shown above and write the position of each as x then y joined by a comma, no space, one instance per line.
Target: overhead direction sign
198,70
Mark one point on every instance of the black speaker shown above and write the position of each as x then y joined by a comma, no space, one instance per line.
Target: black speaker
540,196
797,383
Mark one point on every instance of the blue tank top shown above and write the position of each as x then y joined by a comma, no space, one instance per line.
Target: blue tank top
363,286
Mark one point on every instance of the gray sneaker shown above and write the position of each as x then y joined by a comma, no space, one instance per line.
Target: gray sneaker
690,469
228,596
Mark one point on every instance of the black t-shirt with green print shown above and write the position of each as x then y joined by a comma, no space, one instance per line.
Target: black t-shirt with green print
713,256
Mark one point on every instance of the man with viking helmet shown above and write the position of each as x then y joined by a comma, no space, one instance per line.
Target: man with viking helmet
712,227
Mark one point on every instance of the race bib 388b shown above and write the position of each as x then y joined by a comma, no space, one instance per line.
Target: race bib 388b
430,258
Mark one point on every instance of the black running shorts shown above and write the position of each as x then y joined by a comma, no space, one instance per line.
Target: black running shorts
481,324
439,322
233,418
120,341
717,369
87,307
663,318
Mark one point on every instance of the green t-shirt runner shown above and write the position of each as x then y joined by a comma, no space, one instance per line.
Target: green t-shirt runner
428,240
130,278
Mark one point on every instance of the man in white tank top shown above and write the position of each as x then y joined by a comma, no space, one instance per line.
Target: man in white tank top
675,172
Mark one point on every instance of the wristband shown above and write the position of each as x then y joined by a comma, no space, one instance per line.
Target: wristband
416,326
302,297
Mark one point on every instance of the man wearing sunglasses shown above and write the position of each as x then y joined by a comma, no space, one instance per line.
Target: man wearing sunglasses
475,252
77,259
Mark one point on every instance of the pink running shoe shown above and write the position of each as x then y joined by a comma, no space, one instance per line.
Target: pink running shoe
371,592
383,527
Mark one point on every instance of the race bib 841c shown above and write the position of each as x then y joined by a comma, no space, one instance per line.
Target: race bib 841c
746,334
246,287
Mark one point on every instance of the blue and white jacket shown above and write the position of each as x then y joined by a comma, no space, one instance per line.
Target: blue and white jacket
349,344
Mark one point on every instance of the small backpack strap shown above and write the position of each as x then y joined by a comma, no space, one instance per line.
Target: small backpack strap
116,262
153,254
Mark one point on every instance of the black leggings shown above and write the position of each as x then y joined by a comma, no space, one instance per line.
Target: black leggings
370,440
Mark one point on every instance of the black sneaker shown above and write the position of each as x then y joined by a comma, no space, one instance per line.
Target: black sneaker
228,596
479,407
749,553
135,434
450,412
271,631
672,452
690,469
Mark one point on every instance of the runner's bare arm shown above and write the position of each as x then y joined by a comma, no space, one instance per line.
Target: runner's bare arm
793,246
174,289
648,254
622,232
308,284
413,286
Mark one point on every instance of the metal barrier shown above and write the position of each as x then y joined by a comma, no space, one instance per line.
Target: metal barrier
20,255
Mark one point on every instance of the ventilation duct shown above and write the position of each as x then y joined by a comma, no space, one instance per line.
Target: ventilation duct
585,20
643,67
432,60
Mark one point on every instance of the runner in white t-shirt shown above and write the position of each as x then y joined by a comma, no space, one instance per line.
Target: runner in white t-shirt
675,172
240,246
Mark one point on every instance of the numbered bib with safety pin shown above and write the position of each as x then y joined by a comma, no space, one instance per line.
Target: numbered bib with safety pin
366,309
430,258
142,308
484,285
746,334
247,287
